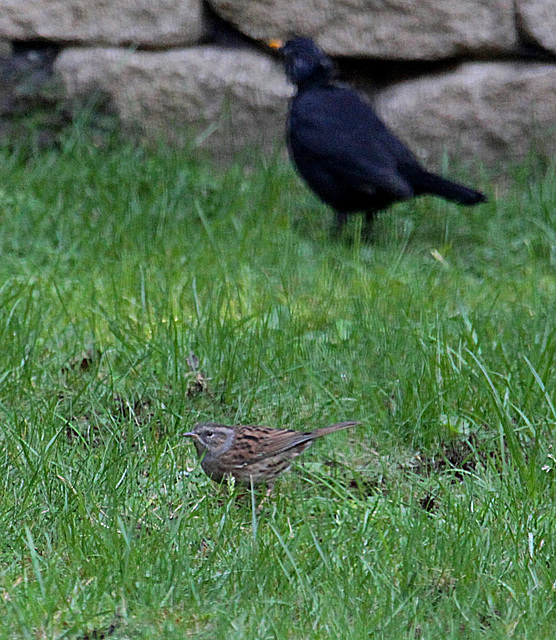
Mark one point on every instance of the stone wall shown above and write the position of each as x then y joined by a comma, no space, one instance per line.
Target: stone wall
474,77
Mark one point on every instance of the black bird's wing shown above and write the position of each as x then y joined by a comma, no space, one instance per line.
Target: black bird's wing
335,127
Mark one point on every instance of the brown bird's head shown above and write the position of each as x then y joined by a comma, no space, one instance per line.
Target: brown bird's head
211,438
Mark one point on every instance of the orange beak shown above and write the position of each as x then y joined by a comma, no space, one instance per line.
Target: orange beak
275,43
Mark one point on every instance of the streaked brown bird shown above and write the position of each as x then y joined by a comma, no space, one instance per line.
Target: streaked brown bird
252,454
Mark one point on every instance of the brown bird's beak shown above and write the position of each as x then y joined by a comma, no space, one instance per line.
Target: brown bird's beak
275,44
190,434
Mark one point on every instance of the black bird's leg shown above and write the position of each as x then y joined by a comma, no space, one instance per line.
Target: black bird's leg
339,223
367,230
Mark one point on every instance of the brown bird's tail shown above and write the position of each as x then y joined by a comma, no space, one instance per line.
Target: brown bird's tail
317,433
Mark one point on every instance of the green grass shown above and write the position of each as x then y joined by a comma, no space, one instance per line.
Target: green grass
435,519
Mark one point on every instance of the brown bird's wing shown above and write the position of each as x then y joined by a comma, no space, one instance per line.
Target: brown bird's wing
259,443
263,442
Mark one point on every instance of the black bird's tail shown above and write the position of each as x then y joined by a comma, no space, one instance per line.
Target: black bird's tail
438,186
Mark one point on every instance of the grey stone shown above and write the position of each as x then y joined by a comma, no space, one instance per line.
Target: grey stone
390,29
219,99
537,20
491,112
143,22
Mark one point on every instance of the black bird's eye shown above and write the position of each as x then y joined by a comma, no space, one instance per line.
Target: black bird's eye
209,434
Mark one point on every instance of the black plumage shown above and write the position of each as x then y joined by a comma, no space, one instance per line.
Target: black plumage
342,149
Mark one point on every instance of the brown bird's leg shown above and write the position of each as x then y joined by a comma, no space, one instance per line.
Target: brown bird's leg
269,487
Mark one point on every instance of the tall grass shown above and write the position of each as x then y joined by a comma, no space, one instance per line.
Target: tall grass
435,519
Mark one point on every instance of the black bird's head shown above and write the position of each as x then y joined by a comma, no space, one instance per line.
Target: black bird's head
305,63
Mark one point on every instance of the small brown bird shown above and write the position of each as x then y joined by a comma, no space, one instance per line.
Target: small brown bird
252,454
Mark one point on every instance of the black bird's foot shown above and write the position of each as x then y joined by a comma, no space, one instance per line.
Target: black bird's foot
340,228
339,225
367,231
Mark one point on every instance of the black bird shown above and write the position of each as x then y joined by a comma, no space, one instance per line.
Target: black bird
341,148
